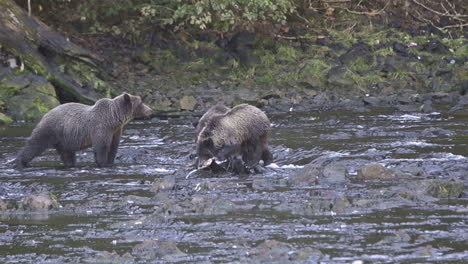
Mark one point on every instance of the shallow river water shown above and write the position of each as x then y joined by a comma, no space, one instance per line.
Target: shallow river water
117,215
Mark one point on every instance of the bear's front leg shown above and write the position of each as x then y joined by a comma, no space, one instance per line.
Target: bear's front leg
101,147
114,146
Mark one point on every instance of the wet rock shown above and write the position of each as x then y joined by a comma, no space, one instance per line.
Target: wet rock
30,96
444,189
307,176
357,50
435,46
334,173
376,172
326,204
188,103
7,205
401,236
461,106
435,132
408,108
372,101
319,171
335,136
272,251
105,257
426,107
397,47
337,76
40,201
152,250
430,190
164,184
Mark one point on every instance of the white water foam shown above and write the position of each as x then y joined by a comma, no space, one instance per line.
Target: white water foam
287,166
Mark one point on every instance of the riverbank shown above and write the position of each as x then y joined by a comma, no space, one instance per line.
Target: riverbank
349,62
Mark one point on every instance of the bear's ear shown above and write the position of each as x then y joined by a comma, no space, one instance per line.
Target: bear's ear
126,97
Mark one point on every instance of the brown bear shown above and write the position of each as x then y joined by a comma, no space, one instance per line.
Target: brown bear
72,127
216,110
239,136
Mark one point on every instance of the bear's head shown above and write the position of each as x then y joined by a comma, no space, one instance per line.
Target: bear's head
135,106
205,152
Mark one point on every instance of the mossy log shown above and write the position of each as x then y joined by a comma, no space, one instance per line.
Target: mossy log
46,52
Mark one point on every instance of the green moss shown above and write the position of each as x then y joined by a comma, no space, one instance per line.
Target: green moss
361,64
5,119
34,64
362,81
40,105
461,52
385,52
445,189
8,90
315,69
287,53
145,56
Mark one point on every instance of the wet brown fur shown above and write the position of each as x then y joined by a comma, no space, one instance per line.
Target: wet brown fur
72,127
216,110
244,131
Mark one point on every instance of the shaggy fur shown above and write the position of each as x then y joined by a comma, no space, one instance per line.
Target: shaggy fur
72,127
216,110
239,134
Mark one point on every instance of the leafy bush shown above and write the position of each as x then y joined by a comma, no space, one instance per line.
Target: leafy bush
222,15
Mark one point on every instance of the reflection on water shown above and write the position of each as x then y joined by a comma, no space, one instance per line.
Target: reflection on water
113,209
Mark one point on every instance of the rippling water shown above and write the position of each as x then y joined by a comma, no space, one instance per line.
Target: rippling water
114,209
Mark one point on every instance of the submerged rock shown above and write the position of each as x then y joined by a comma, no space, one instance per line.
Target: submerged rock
272,251
320,171
40,201
378,172
164,184
151,250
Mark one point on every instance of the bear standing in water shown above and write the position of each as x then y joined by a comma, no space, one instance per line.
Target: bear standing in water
216,110
72,127
239,136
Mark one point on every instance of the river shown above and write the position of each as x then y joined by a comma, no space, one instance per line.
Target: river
123,214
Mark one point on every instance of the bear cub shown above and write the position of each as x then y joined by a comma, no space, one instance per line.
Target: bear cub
239,136
72,127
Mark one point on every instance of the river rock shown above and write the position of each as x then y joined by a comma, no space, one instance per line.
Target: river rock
6,205
164,184
188,103
443,188
151,250
334,173
337,76
39,201
435,132
319,171
30,96
376,172
272,251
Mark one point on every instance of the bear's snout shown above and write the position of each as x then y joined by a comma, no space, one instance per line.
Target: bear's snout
146,112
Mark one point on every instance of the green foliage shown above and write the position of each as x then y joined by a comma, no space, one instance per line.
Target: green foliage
222,15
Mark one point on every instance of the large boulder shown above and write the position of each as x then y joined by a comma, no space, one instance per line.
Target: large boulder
29,96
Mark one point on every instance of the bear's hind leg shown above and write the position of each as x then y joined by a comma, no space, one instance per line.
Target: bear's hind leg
68,157
34,147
